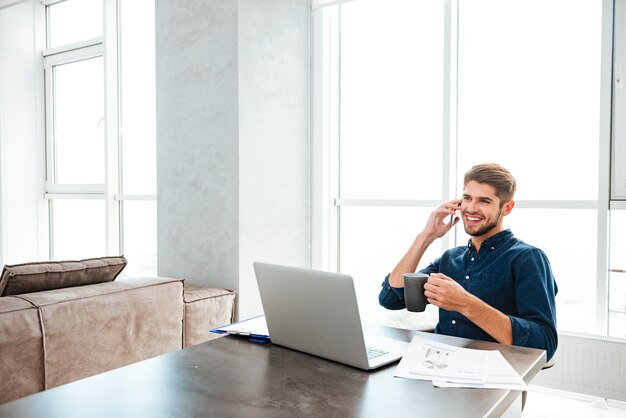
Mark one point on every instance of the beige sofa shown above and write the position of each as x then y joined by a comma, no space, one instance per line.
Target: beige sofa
51,337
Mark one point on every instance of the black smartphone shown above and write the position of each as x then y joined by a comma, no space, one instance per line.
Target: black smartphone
452,216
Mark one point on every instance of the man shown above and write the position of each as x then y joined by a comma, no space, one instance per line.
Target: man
497,288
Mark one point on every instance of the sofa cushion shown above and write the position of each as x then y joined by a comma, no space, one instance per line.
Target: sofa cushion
47,275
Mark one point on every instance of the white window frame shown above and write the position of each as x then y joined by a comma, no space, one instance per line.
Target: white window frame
53,58
618,172
109,191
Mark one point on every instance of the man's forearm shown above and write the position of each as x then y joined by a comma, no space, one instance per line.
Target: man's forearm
411,259
491,320
436,227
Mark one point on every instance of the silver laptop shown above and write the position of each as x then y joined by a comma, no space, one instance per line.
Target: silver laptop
316,312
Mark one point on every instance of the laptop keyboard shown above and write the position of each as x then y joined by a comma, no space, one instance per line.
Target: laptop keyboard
375,352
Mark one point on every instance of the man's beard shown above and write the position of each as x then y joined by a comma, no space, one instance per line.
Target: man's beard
485,228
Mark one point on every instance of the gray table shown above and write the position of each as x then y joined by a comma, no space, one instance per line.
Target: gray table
232,377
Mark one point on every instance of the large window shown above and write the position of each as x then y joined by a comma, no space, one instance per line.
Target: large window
437,87
391,113
100,130
526,99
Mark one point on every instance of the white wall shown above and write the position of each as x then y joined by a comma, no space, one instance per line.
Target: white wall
274,113
197,141
232,140
21,127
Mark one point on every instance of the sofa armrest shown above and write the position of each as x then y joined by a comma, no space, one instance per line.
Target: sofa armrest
205,309
21,349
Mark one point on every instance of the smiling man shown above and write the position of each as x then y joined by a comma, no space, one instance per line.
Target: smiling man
496,288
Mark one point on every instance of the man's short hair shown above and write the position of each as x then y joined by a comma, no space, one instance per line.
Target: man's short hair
496,176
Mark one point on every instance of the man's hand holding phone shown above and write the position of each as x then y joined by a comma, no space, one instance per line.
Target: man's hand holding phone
437,225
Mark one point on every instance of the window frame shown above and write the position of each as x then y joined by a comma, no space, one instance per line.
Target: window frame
107,46
53,58
618,166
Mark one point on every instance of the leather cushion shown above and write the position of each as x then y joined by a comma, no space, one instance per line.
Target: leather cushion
47,275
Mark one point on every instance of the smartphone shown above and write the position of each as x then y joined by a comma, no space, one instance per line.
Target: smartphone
452,216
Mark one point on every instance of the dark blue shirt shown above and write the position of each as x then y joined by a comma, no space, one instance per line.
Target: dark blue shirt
508,274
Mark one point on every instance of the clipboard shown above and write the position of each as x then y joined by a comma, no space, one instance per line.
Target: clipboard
254,329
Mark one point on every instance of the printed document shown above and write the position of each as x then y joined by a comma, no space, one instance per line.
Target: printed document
449,366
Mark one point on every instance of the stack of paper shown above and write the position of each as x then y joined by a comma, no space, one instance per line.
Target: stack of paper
450,366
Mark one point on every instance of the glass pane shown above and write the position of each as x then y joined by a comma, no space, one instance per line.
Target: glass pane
617,277
140,238
79,122
78,229
138,97
526,98
373,240
572,254
391,99
73,21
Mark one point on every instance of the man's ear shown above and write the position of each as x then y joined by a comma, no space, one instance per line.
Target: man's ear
508,207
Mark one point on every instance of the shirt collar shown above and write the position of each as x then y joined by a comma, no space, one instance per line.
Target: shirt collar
494,241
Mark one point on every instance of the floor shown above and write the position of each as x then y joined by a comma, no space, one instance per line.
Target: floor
544,403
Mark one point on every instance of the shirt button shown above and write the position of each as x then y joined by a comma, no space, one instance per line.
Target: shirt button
472,258
466,277
453,322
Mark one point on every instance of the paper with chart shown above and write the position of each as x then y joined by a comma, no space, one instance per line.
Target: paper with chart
449,366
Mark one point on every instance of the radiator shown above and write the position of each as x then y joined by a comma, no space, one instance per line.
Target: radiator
588,364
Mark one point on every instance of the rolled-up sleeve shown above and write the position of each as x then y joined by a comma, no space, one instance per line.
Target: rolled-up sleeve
391,297
534,325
